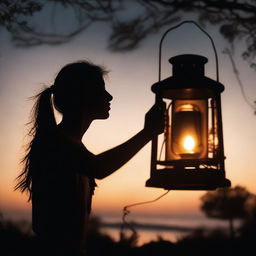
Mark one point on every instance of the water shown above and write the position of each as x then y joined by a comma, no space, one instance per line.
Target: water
169,228
150,227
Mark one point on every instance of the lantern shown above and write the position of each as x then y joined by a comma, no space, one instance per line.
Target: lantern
191,155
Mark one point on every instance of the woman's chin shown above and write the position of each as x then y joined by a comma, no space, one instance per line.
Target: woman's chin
103,116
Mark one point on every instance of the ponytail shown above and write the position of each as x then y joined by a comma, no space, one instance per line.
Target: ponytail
43,122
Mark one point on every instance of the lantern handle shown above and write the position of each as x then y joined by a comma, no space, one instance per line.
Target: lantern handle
174,27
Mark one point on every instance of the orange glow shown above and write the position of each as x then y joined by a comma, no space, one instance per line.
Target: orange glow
187,107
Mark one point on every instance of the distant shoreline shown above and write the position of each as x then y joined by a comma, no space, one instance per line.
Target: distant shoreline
147,226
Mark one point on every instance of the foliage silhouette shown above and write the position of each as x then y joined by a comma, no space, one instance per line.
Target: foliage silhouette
16,239
248,228
17,18
235,19
249,102
227,204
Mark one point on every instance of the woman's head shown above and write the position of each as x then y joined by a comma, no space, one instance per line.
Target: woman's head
79,88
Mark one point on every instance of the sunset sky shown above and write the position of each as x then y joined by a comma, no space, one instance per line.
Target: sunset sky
24,71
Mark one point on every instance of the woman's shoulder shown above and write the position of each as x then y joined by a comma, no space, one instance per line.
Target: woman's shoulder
54,144
67,151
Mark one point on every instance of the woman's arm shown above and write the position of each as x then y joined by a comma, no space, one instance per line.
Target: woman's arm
109,161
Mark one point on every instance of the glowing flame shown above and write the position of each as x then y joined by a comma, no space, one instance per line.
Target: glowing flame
189,144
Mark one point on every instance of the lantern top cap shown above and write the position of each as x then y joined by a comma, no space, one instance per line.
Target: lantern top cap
187,73
188,59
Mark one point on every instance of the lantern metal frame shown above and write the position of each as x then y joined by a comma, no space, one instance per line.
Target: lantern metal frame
190,173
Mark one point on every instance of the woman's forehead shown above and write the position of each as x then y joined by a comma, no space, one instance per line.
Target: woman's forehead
94,85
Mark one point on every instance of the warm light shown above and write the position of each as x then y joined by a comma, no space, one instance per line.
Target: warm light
189,144
187,107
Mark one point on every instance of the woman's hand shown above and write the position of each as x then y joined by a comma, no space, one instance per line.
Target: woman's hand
155,119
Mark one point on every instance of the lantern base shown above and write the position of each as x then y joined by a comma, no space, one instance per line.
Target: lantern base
188,179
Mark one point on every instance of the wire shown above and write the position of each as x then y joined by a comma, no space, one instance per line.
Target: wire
126,212
174,27
161,150
166,131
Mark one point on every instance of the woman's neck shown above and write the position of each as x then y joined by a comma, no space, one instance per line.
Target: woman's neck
74,127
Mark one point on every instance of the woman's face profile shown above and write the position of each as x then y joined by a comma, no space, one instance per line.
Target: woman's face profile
97,100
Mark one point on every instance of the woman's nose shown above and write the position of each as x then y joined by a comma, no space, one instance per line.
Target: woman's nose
110,97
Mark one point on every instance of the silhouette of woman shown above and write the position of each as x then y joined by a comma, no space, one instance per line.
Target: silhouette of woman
59,171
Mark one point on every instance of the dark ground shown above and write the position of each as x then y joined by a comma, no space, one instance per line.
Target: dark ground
17,239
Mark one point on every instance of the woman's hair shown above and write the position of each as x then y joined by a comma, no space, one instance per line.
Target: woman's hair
71,81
